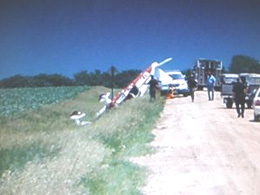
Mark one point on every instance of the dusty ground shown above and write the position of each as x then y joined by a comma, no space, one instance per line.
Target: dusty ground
204,149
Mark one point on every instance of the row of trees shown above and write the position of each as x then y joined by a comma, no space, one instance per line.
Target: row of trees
96,78
245,64
239,64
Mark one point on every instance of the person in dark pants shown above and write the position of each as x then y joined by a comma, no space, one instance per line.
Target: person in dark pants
192,84
239,90
153,87
210,85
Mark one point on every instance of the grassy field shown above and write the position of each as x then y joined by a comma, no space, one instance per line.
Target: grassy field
42,151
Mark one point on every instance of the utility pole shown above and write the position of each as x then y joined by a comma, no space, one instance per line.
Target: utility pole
112,81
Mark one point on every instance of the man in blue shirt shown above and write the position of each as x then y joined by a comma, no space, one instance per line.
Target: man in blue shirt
210,85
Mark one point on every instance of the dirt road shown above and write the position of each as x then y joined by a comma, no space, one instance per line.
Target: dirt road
204,149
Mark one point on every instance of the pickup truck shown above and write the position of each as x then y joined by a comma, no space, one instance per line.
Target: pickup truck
227,81
252,81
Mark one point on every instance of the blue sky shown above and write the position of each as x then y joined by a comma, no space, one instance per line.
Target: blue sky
68,36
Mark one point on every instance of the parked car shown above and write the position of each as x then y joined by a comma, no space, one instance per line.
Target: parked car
177,81
253,82
256,105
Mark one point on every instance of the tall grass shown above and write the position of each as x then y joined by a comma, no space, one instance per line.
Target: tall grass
126,131
43,152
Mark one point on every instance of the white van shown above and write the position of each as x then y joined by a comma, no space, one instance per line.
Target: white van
177,81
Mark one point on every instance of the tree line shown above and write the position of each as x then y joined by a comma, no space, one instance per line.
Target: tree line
239,64
244,64
96,78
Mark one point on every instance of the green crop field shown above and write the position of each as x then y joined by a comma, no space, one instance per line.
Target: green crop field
42,151
15,101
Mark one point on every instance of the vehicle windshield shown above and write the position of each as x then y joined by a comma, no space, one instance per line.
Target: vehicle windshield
230,80
255,81
176,76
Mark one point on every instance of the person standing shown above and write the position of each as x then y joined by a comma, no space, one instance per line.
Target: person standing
239,94
153,87
210,86
192,84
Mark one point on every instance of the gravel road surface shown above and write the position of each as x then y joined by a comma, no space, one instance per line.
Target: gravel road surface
203,149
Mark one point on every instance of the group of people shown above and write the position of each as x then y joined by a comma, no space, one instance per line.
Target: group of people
211,81
192,85
239,91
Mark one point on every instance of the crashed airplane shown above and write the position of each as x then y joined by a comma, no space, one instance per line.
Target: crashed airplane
136,87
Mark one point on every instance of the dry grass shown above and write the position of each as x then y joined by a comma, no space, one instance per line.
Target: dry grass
60,174
90,159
